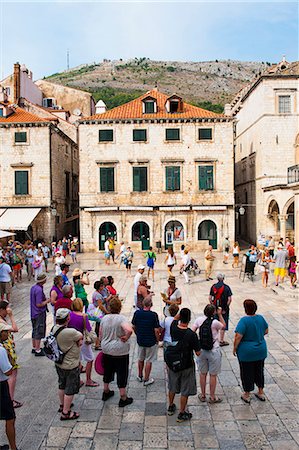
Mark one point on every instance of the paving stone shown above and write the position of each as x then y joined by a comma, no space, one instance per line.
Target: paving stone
180,445
255,441
58,436
155,409
84,429
133,416
249,426
76,443
129,445
205,441
131,432
156,440
109,423
177,433
243,412
104,441
155,421
229,426
284,445
89,415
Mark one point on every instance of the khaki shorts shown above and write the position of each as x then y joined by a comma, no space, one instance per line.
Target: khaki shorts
183,382
147,354
5,287
209,361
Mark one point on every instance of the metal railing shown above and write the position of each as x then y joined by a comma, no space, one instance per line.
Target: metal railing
293,174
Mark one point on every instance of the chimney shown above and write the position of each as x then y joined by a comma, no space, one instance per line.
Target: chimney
17,82
101,107
227,109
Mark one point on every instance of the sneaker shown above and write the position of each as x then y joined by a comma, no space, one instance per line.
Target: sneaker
171,409
148,382
107,395
122,403
140,378
33,352
182,417
40,353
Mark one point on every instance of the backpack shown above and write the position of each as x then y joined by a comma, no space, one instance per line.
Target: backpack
174,355
217,294
51,347
205,335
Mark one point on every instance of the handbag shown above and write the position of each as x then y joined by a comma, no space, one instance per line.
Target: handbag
94,313
88,336
99,364
174,355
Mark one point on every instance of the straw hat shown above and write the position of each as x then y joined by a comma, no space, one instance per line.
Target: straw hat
171,279
77,272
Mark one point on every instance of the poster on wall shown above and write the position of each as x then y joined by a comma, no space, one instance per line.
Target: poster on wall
178,233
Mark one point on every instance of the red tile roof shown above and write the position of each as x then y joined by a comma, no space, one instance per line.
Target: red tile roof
133,110
19,115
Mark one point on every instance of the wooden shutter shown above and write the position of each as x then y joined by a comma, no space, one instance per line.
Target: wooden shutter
176,178
107,179
169,178
136,179
21,182
209,177
143,179
206,181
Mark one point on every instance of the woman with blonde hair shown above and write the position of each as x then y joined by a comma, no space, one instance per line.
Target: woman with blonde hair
80,322
236,254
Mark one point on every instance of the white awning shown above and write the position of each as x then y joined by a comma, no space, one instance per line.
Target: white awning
4,234
18,219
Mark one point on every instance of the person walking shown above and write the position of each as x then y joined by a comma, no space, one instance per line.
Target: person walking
7,412
150,262
38,263
183,381
236,254
6,279
171,296
38,313
147,329
271,246
280,257
107,252
121,253
69,341
251,349
226,249
111,249
186,261
46,254
128,260
170,259
264,264
140,271
209,360
292,271
59,259
73,250
221,296
115,332
64,271
209,260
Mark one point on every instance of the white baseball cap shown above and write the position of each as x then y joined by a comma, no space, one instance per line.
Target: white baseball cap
141,267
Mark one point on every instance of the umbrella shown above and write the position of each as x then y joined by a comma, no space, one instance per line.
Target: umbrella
4,234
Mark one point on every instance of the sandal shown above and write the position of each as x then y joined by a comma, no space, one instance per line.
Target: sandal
202,398
71,415
61,408
92,384
260,397
81,384
245,399
17,404
215,400
223,343
83,370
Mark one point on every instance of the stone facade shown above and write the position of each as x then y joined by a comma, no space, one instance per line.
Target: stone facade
265,147
136,214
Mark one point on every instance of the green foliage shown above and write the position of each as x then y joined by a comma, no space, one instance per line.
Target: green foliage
114,97
215,107
170,69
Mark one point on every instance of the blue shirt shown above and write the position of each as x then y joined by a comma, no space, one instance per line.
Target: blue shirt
253,346
66,281
145,323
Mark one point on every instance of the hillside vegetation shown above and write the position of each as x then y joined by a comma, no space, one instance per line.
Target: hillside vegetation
208,84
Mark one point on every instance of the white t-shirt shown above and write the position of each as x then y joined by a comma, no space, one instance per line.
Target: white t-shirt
122,248
166,324
112,330
170,260
5,365
5,272
186,260
136,282
174,297
216,326
106,246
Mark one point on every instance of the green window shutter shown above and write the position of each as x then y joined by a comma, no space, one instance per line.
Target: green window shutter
173,178
139,135
176,179
149,107
168,176
205,134
136,179
107,179
139,179
21,182
172,134
105,135
21,136
206,178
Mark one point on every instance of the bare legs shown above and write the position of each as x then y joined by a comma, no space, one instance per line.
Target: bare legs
147,370
11,433
213,382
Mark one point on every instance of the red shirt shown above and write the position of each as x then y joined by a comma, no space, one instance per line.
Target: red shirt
291,251
63,303
111,289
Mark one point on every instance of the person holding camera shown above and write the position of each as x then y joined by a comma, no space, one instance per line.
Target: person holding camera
81,279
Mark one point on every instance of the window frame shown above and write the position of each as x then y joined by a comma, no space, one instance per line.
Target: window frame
135,168
199,139
168,168
152,103
280,96
19,194
206,166
172,140
101,182
104,141
21,142
140,130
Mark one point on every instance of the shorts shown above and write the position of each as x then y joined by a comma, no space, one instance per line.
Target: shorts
107,255
147,354
264,269
17,267
128,264
5,287
39,326
118,365
64,253
210,361
86,353
150,263
279,272
183,382
7,411
68,380
271,252
46,262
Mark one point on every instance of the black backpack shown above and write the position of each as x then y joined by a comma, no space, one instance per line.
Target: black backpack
174,355
205,335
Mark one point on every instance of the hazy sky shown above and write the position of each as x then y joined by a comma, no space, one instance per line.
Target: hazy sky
39,33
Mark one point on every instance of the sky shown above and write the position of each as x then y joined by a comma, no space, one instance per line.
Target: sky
39,33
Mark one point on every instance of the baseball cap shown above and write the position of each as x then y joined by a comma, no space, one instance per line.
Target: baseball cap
62,313
141,267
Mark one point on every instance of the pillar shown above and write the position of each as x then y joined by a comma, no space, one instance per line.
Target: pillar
283,219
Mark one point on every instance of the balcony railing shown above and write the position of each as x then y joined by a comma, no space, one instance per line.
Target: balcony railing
293,174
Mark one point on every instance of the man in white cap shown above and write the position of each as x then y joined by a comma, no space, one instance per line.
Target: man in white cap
140,271
38,313
7,412
69,341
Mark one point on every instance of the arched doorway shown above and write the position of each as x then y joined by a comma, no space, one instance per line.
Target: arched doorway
140,232
273,214
107,229
290,223
174,232
207,230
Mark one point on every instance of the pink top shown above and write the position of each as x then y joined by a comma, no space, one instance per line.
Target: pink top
216,326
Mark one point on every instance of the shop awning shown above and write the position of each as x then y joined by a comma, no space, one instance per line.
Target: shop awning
4,234
18,219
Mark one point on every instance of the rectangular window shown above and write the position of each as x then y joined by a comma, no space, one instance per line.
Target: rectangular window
139,135
107,179
21,182
139,179
149,107
105,135
173,182
206,178
205,134
20,136
284,104
172,134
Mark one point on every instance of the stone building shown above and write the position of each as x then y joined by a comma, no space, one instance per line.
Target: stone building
156,170
267,153
38,175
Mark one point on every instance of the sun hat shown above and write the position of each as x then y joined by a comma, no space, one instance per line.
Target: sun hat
77,272
62,313
4,327
171,278
141,267
41,277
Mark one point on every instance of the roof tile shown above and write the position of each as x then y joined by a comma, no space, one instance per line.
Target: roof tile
21,116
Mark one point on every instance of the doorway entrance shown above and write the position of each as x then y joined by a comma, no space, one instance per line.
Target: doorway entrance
140,232
174,232
107,229
207,230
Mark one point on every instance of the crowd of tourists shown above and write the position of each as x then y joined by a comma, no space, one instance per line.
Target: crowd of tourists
85,326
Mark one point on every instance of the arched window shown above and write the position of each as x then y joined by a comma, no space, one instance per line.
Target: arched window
107,229
207,230
140,232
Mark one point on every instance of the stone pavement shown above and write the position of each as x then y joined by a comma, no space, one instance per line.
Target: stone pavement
145,424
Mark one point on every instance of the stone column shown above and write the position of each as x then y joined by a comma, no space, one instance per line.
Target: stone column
296,219
282,219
